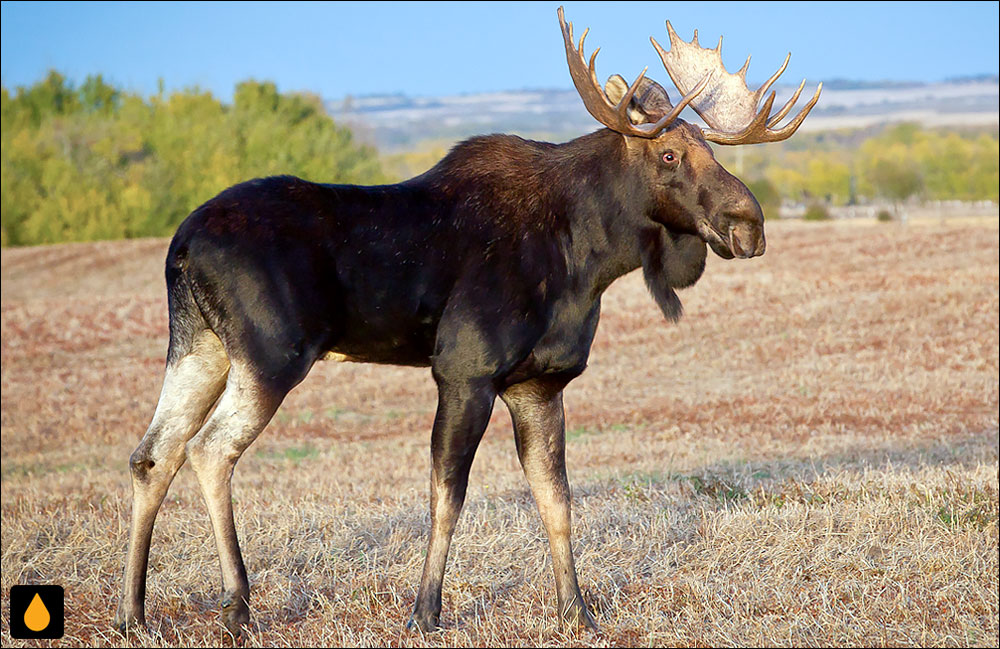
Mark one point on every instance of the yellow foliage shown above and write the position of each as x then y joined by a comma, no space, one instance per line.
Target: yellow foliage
102,164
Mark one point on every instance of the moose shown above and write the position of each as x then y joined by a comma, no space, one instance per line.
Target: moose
488,268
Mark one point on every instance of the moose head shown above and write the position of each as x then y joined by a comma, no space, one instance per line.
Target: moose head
694,194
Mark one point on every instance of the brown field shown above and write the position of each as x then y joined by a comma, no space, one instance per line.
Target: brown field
809,457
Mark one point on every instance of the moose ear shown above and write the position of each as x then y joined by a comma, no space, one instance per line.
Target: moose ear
649,103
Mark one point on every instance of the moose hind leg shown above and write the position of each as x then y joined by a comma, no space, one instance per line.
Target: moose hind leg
536,409
245,408
191,385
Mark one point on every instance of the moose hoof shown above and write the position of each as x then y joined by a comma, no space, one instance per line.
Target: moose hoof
578,617
124,621
236,616
423,623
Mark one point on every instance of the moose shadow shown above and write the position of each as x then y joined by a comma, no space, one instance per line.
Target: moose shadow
725,481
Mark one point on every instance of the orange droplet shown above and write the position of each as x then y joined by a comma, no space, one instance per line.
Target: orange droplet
36,617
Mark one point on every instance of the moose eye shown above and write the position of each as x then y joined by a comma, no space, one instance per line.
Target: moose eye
669,157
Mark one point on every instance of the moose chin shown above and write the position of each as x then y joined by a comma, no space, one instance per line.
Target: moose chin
489,269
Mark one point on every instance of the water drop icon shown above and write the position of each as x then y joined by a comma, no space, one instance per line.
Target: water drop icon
36,617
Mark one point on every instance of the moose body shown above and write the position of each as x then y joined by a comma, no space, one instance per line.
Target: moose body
516,249
489,269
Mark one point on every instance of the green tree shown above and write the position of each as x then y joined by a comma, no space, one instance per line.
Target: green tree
903,160
97,162
768,196
895,180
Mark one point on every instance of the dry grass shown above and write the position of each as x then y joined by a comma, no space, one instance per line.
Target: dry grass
809,457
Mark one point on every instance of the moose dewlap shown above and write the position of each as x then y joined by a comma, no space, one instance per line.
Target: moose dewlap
489,269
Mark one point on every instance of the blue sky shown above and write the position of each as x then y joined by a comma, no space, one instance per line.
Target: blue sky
336,49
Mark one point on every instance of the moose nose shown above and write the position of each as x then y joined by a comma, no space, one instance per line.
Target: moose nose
747,239
761,245
744,233
747,222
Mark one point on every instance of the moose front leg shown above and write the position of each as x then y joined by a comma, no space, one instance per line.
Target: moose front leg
463,412
536,409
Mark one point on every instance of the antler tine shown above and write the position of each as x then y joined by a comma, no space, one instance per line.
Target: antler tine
614,116
780,115
674,38
682,104
728,106
788,129
622,105
746,66
774,77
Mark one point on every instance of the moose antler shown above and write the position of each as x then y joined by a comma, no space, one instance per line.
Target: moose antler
727,105
615,116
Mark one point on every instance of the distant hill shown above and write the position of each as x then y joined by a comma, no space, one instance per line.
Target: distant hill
399,122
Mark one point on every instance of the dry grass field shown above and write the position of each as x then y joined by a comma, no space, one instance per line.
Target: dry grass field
808,458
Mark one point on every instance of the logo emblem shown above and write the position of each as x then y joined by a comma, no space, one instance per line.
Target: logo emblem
36,612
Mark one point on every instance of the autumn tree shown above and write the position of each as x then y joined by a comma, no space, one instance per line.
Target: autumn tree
98,162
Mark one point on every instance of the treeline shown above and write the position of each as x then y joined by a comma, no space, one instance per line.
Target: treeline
97,162
895,164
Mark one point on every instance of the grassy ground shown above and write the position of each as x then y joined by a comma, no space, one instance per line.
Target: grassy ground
809,457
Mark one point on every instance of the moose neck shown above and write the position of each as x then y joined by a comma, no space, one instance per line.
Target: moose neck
591,195
605,208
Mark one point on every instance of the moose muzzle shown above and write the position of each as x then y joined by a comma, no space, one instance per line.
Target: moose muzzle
737,231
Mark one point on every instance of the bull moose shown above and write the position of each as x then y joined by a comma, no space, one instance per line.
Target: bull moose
488,268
